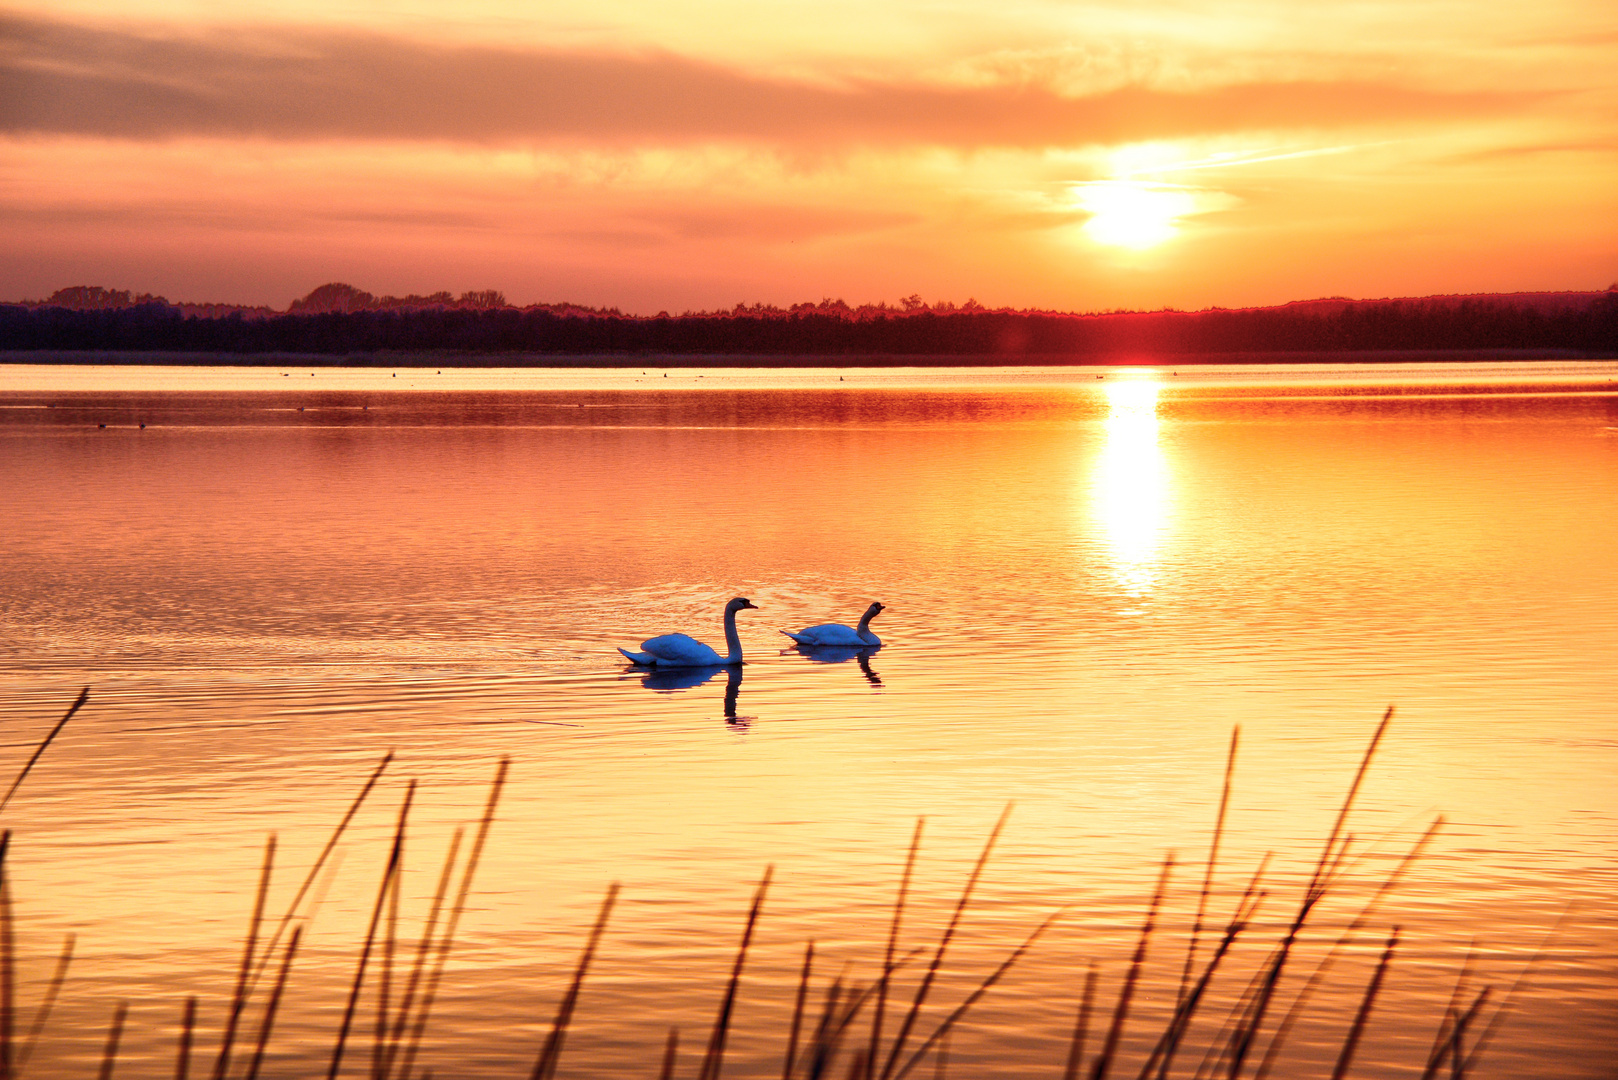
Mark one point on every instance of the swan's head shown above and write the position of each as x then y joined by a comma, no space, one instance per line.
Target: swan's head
873,611
738,604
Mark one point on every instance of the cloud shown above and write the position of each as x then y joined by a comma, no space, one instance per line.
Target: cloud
1515,152
65,79
769,224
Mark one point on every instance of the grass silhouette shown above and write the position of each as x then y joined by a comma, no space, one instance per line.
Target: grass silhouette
856,1031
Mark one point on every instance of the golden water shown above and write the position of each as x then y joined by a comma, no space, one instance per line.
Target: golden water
289,572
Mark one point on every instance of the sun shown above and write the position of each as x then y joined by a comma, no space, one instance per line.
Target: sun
1133,213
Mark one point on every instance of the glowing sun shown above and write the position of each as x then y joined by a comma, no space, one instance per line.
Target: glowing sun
1133,213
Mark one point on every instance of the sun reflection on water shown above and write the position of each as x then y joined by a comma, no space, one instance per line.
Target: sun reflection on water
1131,491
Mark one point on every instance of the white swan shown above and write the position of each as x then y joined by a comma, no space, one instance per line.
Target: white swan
680,650
838,634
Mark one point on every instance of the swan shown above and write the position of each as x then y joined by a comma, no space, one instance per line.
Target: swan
680,650
838,634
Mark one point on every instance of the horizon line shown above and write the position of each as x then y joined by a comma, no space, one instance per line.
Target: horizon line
342,298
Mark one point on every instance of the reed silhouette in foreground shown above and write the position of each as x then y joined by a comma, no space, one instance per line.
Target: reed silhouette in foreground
860,1031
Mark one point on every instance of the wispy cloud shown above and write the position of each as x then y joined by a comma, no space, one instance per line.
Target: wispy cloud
1601,146
62,78
1236,160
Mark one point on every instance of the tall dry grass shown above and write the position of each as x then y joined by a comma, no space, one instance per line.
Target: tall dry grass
895,1039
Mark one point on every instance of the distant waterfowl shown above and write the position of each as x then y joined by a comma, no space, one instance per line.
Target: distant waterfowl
680,650
838,634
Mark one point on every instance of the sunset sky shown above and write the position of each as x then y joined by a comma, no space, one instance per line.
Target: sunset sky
1080,156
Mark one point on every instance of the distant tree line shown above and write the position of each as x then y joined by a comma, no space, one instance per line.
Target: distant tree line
338,297
95,298
481,323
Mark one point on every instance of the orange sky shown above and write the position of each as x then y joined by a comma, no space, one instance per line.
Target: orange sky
1080,156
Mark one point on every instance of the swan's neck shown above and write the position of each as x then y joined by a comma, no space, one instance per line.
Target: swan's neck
733,640
865,623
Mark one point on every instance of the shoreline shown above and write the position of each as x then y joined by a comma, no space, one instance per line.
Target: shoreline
513,360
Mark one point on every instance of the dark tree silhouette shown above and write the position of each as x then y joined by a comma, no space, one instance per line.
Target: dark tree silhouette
340,320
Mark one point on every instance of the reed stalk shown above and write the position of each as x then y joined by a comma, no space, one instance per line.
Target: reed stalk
320,862
1441,1041
671,1051
388,875
1330,856
47,1003
268,1023
887,957
8,966
1185,1009
1459,1060
1081,1026
1116,1030
39,751
1283,1029
714,1059
943,945
384,999
1518,985
1213,860
1358,1027
856,1002
1453,1044
545,1067
846,1007
1219,1049
823,1048
797,1012
109,1055
243,981
188,1027
972,999
441,954
424,950
834,1023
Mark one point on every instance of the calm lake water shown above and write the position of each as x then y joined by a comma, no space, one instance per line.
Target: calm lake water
1090,582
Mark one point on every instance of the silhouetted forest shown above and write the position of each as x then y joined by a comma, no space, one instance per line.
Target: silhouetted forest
356,324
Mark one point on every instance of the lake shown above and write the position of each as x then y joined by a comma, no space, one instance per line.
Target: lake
270,578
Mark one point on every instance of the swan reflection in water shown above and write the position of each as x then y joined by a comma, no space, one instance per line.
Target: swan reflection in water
668,680
840,654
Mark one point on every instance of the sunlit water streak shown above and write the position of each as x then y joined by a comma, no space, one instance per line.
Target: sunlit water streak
1132,484
1089,582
